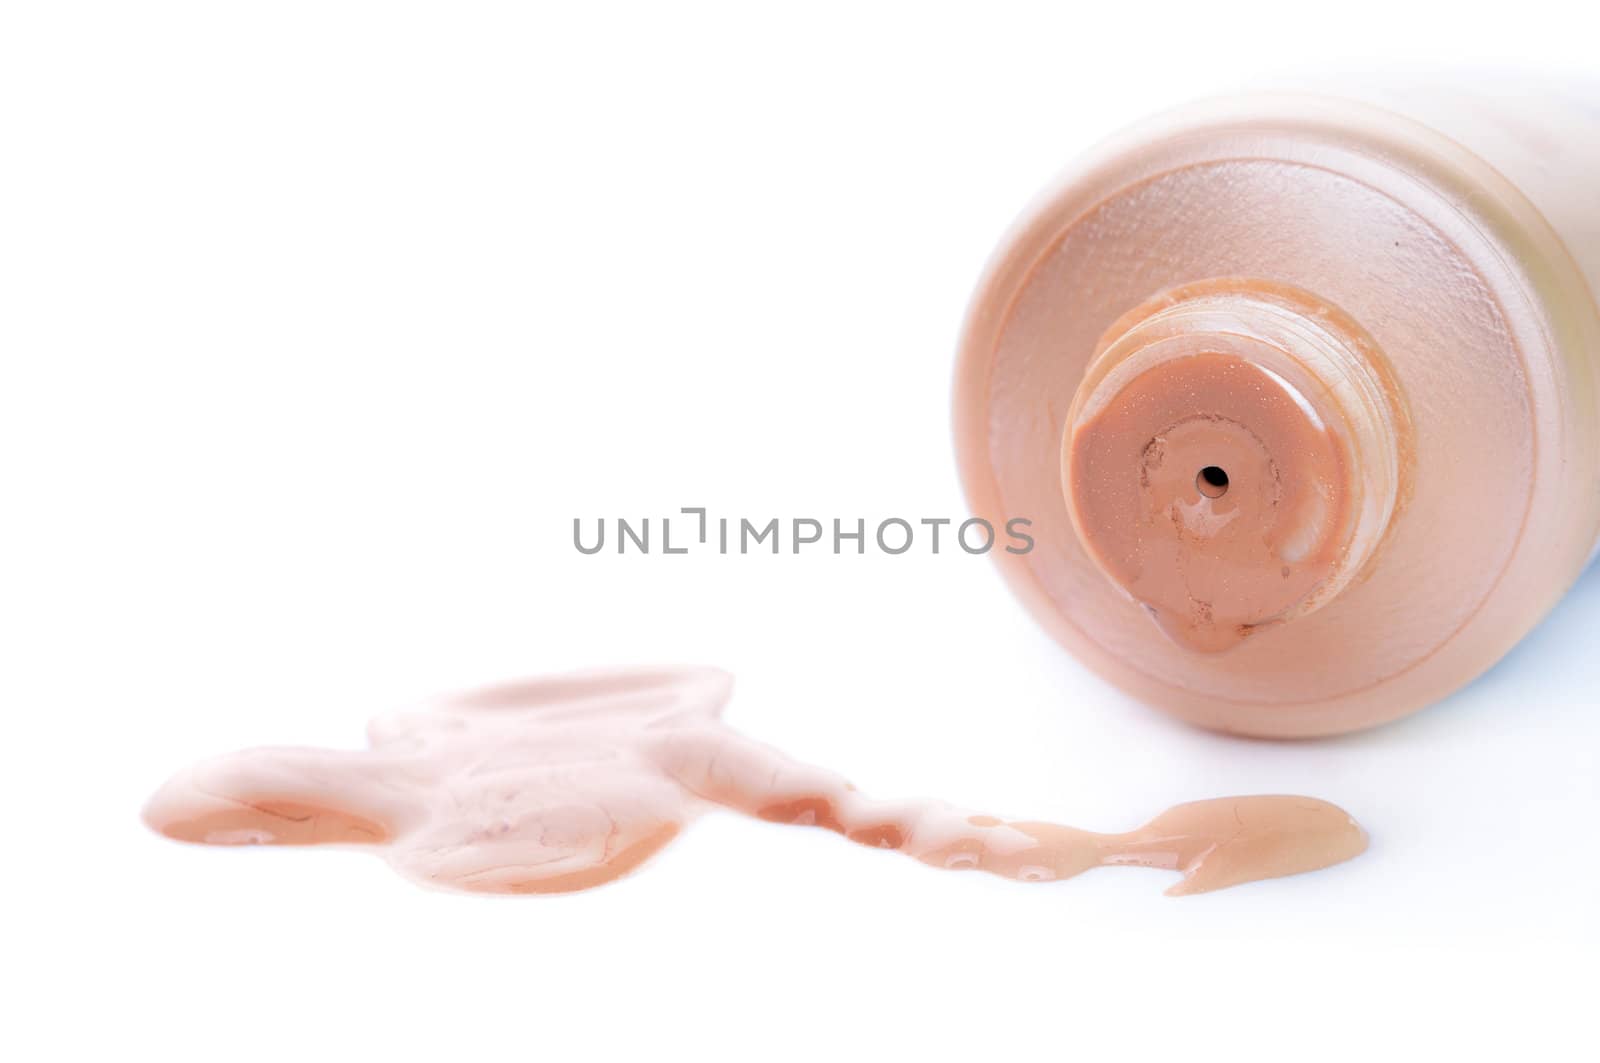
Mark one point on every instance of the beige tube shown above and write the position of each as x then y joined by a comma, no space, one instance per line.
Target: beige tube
1302,395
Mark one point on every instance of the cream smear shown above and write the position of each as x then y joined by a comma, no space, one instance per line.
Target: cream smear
568,782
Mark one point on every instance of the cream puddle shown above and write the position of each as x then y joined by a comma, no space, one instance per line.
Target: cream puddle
568,782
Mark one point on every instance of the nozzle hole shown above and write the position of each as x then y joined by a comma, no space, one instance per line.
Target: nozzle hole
1212,481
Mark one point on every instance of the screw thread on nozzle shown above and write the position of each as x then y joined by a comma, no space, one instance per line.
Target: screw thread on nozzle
1233,457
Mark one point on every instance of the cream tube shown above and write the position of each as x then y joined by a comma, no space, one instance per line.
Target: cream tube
1302,395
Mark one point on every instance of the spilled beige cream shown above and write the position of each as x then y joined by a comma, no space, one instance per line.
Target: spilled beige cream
569,782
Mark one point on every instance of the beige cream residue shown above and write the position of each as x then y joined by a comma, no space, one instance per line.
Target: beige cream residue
568,782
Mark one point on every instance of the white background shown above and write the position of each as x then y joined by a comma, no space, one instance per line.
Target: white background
321,321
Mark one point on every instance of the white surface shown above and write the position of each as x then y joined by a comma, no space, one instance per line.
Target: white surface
322,321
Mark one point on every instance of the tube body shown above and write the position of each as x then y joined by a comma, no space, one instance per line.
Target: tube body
1302,394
